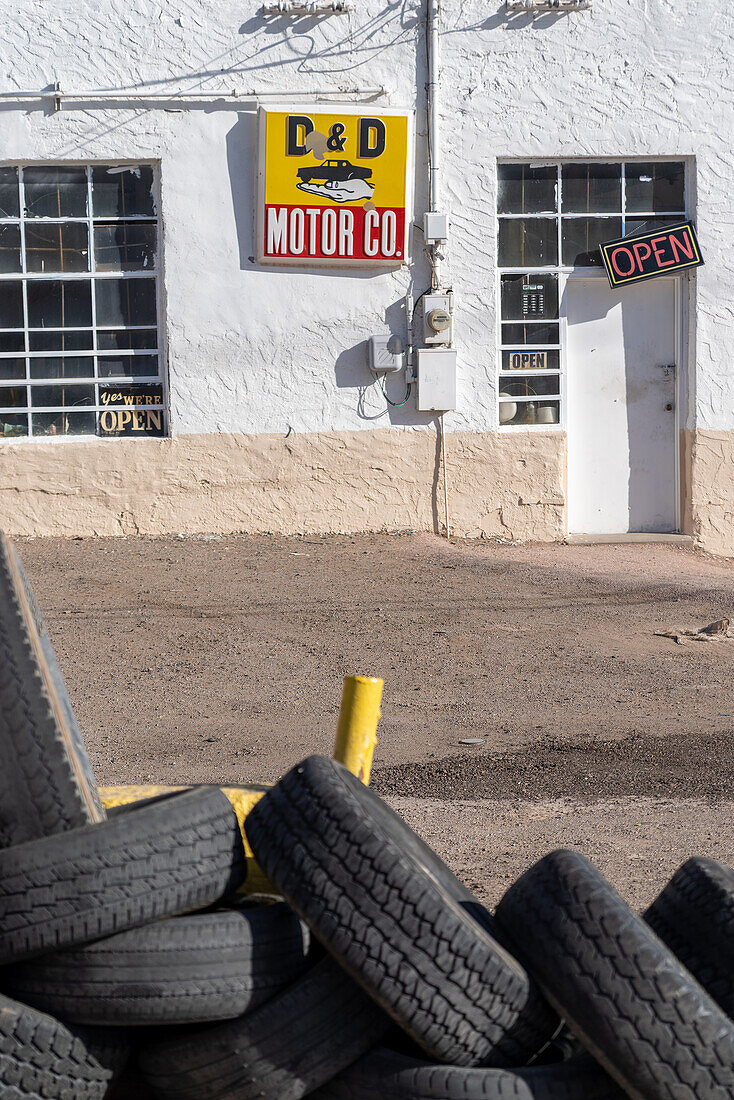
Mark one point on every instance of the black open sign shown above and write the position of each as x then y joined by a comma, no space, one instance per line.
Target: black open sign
646,255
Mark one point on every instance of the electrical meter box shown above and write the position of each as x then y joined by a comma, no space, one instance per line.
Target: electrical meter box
436,379
437,318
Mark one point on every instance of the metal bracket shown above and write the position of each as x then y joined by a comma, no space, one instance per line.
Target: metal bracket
547,5
307,7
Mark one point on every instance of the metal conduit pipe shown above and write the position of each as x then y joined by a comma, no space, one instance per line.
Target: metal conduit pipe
164,99
434,145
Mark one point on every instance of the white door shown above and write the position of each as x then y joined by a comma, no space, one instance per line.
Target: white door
621,406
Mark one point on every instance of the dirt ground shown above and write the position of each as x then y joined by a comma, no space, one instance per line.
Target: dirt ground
220,659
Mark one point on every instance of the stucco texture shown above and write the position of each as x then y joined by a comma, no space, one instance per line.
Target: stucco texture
711,507
509,486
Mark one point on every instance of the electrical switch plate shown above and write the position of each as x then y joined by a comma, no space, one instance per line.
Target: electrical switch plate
436,379
435,227
434,306
386,354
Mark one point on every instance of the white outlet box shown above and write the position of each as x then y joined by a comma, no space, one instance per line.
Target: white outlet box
436,379
435,227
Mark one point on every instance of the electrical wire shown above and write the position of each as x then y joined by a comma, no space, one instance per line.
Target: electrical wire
395,404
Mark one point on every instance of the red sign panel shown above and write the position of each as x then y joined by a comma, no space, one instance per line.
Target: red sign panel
646,255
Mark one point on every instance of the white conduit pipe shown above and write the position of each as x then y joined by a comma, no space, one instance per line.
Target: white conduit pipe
434,140
162,99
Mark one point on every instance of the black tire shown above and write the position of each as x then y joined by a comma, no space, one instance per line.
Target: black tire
203,967
46,780
281,1051
170,855
396,918
638,1011
41,1059
384,1075
694,916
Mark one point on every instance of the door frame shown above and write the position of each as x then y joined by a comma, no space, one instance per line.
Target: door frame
681,365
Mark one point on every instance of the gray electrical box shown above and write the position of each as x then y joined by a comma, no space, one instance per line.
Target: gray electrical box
436,379
386,354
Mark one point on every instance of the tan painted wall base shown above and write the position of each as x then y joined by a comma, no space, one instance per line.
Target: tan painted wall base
509,485
710,505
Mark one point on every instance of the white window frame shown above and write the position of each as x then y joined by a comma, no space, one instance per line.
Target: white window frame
565,271
25,277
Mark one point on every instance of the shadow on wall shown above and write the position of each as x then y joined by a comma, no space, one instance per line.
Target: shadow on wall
517,19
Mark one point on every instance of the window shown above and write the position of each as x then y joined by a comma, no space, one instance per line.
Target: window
552,218
79,350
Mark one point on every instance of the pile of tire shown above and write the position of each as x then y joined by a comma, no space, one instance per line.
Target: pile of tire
131,968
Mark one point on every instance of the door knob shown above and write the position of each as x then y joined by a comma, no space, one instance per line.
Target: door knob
668,407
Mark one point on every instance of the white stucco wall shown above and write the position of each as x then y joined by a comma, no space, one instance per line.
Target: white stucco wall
261,350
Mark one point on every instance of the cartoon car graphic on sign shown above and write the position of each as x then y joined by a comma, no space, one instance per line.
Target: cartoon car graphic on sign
337,181
333,171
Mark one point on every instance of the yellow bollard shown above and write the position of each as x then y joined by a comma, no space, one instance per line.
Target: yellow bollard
356,737
356,733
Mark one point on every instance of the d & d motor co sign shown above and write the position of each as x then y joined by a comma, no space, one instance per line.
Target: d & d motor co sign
334,186
645,255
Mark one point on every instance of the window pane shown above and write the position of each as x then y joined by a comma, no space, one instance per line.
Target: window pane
582,237
526,190
591,188
125,301
531,359
125,246
648,224
50,396
530,334
128,366
55,192
540,413
123,340
9,200
655,186
57,304
66,366
60,341
12,425
531,242
11,341
11,305
55,248
12,369
122,193
13,397
10,248
64,423
529,297
531,385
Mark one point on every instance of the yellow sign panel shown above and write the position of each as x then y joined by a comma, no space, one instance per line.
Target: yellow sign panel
334,186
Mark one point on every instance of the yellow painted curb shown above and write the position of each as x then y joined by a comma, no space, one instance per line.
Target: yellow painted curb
242,799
